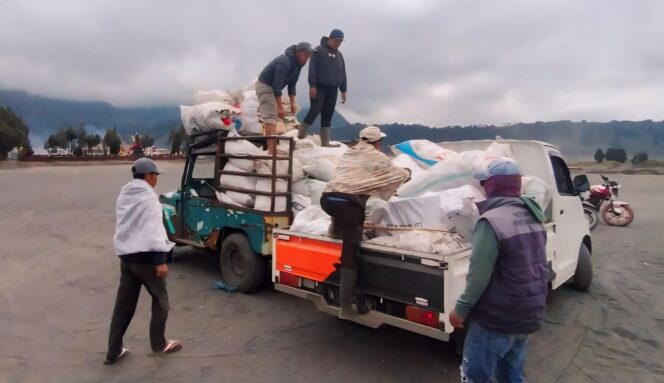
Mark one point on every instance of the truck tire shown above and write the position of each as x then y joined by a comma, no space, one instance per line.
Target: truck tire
583,276
241,267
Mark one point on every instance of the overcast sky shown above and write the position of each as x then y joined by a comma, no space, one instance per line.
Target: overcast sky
413,61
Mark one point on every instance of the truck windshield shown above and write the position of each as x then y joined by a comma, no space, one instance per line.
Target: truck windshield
563,177
203,167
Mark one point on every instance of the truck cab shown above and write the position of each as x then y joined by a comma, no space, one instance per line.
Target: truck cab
415,290
240,236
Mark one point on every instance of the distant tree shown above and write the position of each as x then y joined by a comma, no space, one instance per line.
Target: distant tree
175,138
113,141
81,140
70,137
616,154
599,155
92,141
640,158
13,132
28,149
146,140
58,139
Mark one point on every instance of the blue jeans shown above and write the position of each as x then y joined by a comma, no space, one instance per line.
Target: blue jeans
490,356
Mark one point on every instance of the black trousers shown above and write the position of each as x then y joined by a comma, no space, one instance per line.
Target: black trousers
133,275
347,212
323,104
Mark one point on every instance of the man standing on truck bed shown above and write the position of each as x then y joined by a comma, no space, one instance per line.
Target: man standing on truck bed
142,244
506,285
327,75
363,171
282,71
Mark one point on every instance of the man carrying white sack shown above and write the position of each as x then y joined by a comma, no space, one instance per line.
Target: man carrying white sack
142,244
363,171
506,285
283,71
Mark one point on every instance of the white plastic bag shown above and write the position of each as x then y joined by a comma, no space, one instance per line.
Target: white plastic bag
300,202
307,154
312,220
230,97
406,162
205,117
321,168
264,202
424,152
242,148
455,171
423,241
536,188
316,188
311,188
251,126
301,187
501,148
452,209
242,182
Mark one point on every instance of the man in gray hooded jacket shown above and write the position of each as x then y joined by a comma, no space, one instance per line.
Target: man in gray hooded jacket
327,76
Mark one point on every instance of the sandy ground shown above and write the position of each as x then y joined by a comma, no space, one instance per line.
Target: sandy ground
59,275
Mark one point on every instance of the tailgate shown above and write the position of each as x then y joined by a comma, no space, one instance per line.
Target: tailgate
398,275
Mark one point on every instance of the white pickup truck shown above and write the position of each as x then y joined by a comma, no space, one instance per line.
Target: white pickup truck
416,291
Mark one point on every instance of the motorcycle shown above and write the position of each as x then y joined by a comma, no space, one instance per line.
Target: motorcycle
614,212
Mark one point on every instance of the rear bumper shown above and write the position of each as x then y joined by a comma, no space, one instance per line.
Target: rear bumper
373,319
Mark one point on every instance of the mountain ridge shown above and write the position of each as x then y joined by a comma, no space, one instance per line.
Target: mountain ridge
44,115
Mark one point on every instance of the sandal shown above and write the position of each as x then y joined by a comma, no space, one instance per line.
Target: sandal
172,346
123,353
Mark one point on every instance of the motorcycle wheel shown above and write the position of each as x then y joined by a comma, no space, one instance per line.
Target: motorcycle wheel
592,217
619,216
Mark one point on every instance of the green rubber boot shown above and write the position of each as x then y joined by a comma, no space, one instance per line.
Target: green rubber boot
325,138
302,130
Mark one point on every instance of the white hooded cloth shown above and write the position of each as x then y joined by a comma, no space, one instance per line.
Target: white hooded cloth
138,226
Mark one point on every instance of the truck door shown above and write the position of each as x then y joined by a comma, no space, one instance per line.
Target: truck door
570,227
199,196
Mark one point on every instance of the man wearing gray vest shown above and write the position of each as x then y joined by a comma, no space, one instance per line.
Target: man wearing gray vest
506,285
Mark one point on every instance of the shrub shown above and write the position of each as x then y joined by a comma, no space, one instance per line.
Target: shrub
616,154
599,155
640,158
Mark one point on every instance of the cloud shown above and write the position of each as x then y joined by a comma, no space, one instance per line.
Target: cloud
423,61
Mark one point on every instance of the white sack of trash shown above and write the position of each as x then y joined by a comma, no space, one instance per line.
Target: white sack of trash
207,117
453,210
312,220
423,241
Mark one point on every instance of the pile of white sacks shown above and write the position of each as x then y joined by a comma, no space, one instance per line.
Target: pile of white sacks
313,167
236,111
210,108
437,203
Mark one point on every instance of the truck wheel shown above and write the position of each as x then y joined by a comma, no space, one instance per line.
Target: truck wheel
583,276
241,267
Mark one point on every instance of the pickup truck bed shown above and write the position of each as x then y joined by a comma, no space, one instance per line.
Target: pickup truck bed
402,288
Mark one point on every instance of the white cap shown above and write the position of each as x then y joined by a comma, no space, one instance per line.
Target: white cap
371,134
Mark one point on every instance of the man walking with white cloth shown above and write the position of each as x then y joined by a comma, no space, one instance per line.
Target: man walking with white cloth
143,246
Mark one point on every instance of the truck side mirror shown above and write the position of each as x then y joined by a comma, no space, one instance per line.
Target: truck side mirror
581,183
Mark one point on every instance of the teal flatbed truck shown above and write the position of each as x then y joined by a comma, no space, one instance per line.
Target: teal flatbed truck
240,236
